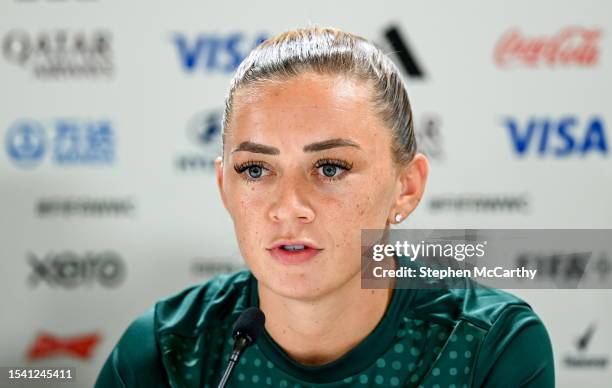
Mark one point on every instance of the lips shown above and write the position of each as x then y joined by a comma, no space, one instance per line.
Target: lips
293,252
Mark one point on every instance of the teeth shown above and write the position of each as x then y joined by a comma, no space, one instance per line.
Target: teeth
293,247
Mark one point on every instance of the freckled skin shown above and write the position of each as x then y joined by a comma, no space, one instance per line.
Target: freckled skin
293,199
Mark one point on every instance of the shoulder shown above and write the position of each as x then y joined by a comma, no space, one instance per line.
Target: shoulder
486,307
136,359
478,305
496,313
191,310
515,347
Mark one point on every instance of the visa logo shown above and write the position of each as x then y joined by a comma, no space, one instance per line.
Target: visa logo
564,137
214,53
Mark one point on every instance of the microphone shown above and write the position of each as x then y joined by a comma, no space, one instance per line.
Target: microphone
246,330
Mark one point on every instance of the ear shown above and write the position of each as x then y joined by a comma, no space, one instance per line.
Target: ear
219,176
411,182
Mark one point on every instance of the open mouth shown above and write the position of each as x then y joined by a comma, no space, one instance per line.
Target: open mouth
293,253
294,248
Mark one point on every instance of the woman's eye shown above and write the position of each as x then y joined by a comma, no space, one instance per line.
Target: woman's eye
255,172
250,171
329,170
332,169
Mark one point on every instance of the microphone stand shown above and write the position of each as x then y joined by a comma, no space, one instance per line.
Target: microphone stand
241,343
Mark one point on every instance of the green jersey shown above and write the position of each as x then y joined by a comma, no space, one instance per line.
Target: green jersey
468,337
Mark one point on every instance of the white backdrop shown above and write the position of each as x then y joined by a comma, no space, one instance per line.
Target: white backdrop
109,123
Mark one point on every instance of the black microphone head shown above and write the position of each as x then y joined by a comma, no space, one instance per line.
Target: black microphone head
249,324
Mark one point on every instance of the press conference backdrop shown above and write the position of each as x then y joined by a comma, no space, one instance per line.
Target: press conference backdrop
110,122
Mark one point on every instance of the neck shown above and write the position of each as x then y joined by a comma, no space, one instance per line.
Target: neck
317,332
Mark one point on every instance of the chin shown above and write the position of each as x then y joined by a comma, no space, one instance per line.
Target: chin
309,284
296,285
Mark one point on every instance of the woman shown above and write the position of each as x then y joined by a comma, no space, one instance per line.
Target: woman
318,144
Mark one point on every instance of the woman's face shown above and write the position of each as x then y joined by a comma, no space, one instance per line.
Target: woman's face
307,162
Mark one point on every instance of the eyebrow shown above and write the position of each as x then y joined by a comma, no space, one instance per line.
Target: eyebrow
250,146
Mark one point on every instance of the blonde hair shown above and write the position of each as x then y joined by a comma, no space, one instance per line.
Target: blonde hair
332,51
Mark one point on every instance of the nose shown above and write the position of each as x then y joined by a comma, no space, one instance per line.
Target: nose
290,202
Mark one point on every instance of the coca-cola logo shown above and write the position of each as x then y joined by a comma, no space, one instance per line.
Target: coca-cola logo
571,46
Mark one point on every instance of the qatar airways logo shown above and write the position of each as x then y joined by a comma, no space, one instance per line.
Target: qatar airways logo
570,46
